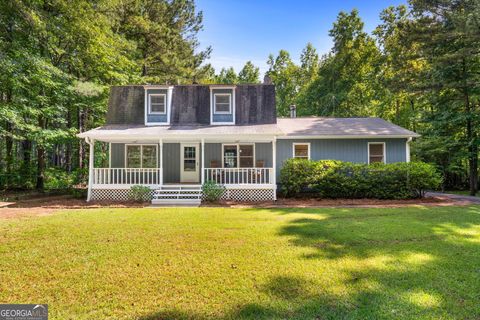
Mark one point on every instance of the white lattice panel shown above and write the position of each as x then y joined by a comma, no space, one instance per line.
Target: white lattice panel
242,195
113,194
249,195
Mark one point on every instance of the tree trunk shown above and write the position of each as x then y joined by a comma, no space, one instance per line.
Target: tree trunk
81,146
472,149
8,154
68,148
27,157
40,159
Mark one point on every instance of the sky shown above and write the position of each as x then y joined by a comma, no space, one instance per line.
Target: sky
242,30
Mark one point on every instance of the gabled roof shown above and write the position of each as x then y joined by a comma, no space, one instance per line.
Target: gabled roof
285,128
341,127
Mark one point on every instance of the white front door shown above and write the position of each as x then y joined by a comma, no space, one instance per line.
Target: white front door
189,166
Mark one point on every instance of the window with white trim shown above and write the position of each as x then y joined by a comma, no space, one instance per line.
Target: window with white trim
301,150
141,156
222,103
238,156
376,152
157,103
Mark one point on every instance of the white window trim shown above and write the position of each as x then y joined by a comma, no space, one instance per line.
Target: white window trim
150,103
141,154
238,153
384,151
232,104
215,95
301,144
168,105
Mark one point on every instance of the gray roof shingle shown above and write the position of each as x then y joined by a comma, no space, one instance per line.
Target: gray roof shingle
285,127
313,126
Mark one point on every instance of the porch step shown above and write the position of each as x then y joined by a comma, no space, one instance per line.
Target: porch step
182,195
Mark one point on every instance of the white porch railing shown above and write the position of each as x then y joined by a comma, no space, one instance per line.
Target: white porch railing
122,176
239,175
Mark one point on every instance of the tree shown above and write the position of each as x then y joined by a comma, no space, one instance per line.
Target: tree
227,76
249,73
449,40
58,59
345,85
164,34
284,74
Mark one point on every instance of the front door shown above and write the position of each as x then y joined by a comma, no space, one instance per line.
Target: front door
189,166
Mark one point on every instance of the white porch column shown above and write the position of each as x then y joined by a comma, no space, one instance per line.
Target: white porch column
202,167
161,162
274,161
407,149
91,144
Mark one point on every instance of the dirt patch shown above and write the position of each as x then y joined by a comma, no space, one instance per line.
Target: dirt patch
11,213
42,206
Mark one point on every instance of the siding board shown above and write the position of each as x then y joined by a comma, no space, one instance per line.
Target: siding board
351,150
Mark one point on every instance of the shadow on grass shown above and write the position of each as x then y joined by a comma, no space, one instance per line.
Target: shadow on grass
401,264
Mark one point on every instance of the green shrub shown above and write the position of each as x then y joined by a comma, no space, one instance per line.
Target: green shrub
140,193
336,179
422,177
212,191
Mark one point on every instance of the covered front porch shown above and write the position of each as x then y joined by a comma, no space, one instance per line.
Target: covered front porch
246,167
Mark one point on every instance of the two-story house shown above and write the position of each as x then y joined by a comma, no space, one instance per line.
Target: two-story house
174,138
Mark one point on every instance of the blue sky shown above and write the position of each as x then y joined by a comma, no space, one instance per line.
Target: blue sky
242,30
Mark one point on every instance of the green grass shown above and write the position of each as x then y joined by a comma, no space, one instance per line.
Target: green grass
404,263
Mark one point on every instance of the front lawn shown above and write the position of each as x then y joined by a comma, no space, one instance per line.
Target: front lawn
416,263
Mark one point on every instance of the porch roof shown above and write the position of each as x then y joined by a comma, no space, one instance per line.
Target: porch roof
140,132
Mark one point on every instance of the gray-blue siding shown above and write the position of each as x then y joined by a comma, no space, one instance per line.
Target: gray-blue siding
351,150
171,157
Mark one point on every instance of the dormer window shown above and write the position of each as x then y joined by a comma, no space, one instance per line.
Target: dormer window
158,103
222,105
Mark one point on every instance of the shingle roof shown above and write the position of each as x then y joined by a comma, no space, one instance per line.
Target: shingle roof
314,126
120,131
285,127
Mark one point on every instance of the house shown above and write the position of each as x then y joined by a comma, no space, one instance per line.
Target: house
174,138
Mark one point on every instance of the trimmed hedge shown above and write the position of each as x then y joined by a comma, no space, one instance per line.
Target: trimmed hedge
337,179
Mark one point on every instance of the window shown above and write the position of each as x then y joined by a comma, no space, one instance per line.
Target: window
301,150
230,156
157,103
376,152
223,103
189,158
141,156
238,156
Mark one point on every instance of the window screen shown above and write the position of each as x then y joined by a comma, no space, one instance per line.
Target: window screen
230,154
376,151
301,151
222,103
141,156
157,103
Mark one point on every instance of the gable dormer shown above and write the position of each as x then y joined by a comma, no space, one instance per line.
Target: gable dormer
197,104
222,105
158,105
